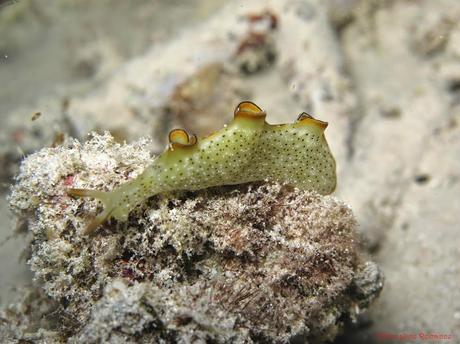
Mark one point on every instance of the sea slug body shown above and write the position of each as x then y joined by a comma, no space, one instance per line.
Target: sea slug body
246,150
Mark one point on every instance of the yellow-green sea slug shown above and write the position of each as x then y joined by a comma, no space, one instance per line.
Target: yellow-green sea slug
246,150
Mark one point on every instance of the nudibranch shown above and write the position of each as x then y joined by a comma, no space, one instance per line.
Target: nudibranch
246,150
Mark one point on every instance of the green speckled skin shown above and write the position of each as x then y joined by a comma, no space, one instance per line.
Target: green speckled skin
248,149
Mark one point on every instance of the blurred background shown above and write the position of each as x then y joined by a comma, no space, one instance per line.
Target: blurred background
385,74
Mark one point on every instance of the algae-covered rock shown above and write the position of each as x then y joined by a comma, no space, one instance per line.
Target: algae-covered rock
248,263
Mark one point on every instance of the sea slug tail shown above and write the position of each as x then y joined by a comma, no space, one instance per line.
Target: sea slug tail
100,195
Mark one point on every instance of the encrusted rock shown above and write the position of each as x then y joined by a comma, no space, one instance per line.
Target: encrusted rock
247,263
